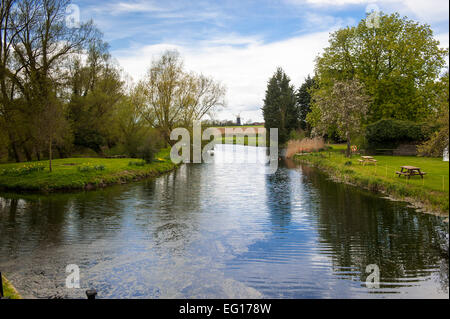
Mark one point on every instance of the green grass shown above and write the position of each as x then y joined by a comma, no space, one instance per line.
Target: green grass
71,174
9,291
432,191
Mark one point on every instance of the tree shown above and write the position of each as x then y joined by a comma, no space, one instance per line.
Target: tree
304,102
440,139
175,97
33,75
397,62
279,108
96,91
344,106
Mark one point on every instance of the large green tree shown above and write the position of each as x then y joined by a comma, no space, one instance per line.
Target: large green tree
96,91
279,108
304,103
398,61
440,117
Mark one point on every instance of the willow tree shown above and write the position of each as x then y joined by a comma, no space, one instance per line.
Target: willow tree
345,107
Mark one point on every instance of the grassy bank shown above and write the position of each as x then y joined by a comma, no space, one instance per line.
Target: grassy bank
9,291
80,173
431,193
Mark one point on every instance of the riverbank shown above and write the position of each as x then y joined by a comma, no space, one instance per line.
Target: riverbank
80,173
429,195
9,291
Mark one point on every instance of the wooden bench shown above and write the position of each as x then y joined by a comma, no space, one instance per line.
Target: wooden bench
409,171
367,160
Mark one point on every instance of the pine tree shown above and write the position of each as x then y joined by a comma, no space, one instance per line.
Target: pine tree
279,108
304,103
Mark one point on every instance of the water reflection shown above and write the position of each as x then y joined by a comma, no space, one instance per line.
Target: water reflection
223,231
278,192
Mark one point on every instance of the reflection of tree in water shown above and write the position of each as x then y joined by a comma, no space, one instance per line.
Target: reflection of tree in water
441,245
29,221
279,198
363,230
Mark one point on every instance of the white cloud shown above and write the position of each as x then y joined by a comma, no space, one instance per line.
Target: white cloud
129,7
429,11
244,70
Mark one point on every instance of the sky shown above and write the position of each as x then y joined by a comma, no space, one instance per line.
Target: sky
240,42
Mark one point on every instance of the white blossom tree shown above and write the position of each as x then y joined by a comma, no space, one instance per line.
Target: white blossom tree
344,106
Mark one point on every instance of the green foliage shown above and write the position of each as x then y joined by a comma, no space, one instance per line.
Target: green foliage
97,91
137,163
297,135
90,168
152,142
23,170
398,63
304,103
391,133
440,139
279,108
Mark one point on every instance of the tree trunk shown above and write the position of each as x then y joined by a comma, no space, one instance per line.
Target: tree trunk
15,152
50,155
27,154
349,146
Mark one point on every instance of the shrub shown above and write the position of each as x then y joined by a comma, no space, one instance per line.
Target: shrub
392,133
90,168
139,163
26,169
150,145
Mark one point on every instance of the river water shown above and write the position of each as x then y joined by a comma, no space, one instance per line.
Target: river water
223,230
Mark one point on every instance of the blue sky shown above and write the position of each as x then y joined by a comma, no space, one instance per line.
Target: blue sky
240,43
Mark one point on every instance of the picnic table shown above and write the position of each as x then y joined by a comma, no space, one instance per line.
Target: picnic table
409,171
367,160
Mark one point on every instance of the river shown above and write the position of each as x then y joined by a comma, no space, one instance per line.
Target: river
223,230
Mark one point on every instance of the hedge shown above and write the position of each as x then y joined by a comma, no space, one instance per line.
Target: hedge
391,133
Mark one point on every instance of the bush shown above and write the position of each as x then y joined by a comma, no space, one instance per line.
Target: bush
150,145
391,133
90,168
26,169
139,163
297,135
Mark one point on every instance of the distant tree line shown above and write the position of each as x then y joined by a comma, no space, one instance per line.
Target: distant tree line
62,94
395,71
